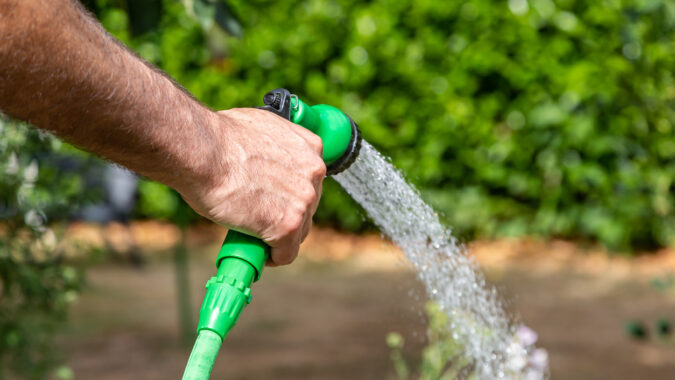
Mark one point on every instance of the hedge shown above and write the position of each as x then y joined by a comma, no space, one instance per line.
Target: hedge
540,117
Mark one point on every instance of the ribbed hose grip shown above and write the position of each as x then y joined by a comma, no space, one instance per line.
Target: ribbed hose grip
226,296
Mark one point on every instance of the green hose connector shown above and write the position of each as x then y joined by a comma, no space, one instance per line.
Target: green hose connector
242,257
240,262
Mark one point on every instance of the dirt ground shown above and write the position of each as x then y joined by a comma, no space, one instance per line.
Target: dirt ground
326,316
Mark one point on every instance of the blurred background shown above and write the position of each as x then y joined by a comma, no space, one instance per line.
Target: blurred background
542,131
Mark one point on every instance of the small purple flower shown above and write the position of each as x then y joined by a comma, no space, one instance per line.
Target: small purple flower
526,335
539,359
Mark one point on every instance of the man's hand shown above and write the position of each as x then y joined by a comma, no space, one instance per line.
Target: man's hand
244,168
265,180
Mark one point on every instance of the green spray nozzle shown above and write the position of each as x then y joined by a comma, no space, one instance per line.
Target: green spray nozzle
339,133
242,257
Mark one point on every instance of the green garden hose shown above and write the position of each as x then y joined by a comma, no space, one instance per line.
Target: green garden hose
242,257
203,355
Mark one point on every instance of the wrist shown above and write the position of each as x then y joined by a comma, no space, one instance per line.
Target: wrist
201,165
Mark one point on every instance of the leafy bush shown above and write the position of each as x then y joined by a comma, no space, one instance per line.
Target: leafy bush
36,286
552,118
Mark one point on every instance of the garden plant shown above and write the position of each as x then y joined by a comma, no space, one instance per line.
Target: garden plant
551,118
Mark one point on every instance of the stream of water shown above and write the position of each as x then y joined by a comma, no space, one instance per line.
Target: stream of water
477,318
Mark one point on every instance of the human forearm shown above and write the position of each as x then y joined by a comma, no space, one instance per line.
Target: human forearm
62,72
246,169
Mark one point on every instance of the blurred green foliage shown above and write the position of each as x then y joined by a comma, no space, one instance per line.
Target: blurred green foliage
550,118
36,285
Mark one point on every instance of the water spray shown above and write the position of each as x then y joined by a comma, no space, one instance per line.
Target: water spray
242,257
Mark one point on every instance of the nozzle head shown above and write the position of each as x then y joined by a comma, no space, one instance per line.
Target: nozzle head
339,133
350,154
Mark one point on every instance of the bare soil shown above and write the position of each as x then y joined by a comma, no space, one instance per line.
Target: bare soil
326,316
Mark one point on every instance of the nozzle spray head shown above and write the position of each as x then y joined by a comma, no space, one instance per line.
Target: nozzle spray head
340,134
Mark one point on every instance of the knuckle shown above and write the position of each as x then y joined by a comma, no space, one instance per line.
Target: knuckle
292,222
319,169
308,195
316,142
